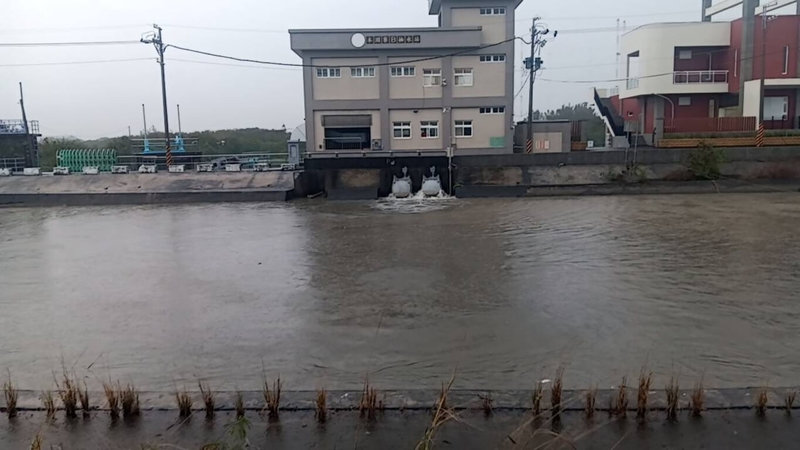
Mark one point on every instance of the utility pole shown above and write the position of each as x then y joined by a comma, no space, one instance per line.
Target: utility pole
762,90
532,67
158,43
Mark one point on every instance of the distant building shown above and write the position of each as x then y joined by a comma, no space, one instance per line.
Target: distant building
413,89
705,76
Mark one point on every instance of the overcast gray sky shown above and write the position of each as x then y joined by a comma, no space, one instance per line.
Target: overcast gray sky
103,99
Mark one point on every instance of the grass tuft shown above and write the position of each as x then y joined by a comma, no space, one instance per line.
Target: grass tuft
645,379
84,398
788,401
697,399
69,393
37,442
441,415
239,405
536,398
49,403
208,399
272,397
761,402
621,405
321,403
129,398
556,391
591,400
185,402
487,403
368,403
672,390
11,394
112,398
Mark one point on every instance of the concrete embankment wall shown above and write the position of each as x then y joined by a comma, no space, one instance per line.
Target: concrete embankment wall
139,188
580,173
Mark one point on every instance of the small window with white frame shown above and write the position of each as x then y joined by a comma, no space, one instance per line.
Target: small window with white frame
463,128
684,101
429,129
432,77
329,72
401,130
493,110
493,11
463,77
362,72
493,58
402,71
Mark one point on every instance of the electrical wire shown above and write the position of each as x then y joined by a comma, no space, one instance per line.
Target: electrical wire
67,63
194,61
64,44
284,64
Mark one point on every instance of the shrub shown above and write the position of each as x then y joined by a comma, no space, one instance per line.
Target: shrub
704,162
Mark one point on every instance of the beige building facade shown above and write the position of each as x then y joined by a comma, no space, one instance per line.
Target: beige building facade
448,88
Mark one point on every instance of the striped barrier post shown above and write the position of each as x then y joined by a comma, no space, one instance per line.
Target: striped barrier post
760,135
529,146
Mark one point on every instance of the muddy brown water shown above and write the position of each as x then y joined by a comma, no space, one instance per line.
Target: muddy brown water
502,291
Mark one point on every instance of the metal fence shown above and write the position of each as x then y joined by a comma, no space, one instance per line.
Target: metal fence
700,76
15,164
247,161
710,124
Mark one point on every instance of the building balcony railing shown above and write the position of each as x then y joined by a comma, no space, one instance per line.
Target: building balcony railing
700,76
632,83
18,127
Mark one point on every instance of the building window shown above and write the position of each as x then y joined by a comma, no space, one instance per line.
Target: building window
736,63
401,130
362,72
785,60
493,58
463,77
463,128
493,11
685,54
494,110
429,129
329,72
407,71
684,101
432,77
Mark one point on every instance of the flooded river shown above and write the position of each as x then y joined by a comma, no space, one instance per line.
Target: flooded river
502,291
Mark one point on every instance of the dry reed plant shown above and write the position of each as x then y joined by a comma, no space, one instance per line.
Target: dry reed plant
69,393
556,392
239,405
788,401
673,392
129,398
441,415
49,404
11,394
321,402
208,399
697,399
761,402
272,397
621,405
591,400
368,403
84,398
645,379
487,403
112,398
536,398
185,402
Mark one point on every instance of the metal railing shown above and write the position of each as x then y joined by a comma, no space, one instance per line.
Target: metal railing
779,123
372,153
18,127
15,164
248,161
699,76
347,143
633,83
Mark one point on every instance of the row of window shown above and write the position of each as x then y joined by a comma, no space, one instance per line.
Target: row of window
493,11
429,129
398,71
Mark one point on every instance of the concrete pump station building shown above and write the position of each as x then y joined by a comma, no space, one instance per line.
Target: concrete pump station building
420,90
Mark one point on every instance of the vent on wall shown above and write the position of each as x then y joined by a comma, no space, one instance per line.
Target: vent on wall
377,144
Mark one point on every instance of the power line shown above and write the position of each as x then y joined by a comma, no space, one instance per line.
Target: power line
284,64
64,44
235,30
194,61
67,63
